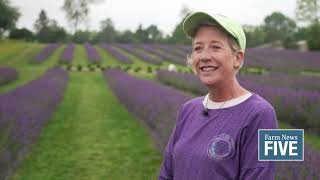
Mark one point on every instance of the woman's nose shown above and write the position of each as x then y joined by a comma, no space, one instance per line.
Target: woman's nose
205,55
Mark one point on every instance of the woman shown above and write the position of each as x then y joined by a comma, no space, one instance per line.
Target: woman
216,136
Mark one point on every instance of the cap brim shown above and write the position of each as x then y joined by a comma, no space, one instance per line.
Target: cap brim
192,21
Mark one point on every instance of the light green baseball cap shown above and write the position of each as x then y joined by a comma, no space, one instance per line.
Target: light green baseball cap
194,20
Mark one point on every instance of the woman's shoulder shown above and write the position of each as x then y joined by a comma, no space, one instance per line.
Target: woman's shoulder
259,103
261,112
192,103
190,106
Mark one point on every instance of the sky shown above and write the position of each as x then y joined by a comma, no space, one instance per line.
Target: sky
128,14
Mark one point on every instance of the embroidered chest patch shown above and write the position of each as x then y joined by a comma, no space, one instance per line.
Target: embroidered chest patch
221,147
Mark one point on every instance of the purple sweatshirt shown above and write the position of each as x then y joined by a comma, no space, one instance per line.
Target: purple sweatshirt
222,145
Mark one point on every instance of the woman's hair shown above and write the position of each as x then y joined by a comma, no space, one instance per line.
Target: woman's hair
231,41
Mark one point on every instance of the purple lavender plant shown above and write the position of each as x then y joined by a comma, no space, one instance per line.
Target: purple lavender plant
185,82
142,55
161,54
278,79
92,53
24,112
7,75
159,114
173,49
157,109
45,53
116,53
300,108
67,55
274,59
282,60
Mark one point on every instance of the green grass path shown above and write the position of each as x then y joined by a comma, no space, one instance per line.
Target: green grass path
80,56
28,71
91,137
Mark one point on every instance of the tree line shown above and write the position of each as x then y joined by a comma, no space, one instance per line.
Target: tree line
276,29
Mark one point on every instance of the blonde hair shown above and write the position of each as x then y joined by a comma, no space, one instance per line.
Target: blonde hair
231,41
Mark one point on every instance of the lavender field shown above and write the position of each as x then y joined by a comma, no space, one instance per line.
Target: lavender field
24,112
7,75
75,109
67,55
107,90
45,53
158,119
296,106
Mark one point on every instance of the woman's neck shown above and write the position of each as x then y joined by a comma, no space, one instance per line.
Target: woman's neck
227,91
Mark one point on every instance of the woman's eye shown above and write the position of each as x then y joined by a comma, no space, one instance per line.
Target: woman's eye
197,48
215,47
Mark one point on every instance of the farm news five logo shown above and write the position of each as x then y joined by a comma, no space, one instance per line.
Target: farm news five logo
281,144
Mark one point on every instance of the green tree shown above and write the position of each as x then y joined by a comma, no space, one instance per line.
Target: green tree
48,30
178,36
154,34
107,31
278,27
77,11
21,34
141,35
308,11
81,36
126,37
255,35
311,35
8,16
42,21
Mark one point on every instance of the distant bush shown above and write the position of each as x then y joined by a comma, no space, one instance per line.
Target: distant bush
8,75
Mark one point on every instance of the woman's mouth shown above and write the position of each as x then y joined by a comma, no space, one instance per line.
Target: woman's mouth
208,68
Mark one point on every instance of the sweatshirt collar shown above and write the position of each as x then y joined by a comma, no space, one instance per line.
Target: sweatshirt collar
229,103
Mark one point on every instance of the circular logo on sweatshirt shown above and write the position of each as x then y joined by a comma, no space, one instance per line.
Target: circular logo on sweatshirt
221,147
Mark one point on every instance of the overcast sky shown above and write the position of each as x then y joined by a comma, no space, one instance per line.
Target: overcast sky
127,14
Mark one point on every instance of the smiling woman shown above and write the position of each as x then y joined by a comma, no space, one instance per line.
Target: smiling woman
212,43
216,136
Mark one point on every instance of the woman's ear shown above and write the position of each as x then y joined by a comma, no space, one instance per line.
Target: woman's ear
239,59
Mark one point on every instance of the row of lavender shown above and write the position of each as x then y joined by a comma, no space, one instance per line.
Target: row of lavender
7,75
299,107
158,109
147,57
92,53
23,113
283,60
292,81
45,53
159,114
272,59
67,55
273,79
165,54
116,53
94,57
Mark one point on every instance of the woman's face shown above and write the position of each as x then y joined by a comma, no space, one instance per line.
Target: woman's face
213,59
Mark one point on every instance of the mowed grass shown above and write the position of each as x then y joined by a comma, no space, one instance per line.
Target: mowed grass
107,59
28,71
91,136
9,49
80,56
